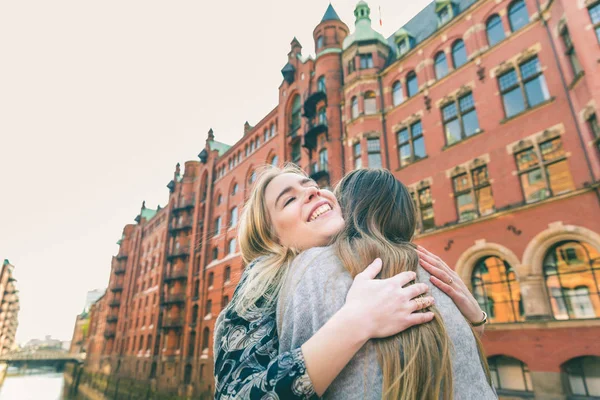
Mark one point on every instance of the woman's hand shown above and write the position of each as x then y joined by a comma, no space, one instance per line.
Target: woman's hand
384,307
448,281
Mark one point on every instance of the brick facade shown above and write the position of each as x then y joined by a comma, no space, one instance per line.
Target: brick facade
502,187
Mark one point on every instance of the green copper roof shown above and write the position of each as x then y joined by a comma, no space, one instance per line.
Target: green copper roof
220,147
330,14
363,31
148,213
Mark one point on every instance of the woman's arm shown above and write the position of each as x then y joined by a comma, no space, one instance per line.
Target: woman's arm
448,281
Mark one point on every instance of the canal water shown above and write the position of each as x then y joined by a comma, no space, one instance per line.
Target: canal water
38,386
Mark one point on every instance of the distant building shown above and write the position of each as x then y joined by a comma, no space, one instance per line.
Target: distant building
92,296
9,308
47,343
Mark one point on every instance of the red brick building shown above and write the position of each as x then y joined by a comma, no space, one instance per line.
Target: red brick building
486,109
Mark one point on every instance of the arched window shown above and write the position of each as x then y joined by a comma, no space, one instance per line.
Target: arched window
234,189
494,30
496,289
211,279
412,85
319,42
397,97
583,376
370,103
227,274
459,53
572,272
208,307
195,314
275,161
251,177
192,344
440,65
510,374
233,217
322,115
205,337
321,84
215,253
296,115
517,15
354,109
231,246
323,160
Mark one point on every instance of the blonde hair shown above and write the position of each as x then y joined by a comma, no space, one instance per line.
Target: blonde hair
380,222
259,246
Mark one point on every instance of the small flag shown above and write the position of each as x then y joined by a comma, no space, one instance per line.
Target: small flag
380,20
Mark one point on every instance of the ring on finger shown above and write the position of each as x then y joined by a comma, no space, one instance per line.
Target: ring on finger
450,281
419,302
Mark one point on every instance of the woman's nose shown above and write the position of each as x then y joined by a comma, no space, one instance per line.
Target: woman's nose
311,193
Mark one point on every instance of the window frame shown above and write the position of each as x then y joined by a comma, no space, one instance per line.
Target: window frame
231,242
374,151
460,114
354,108
295,115
410,142
397,93
488,24
510,14
440,58
521,83
453,51
421,206
410,77
492,362
592,9
473,190
366,61
357,155
370,102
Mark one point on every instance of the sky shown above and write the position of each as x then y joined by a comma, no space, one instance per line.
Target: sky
98,102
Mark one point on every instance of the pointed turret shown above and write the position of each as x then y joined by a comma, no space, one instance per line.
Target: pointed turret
363,31
330,14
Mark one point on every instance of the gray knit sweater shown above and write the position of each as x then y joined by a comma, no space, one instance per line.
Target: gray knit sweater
316,288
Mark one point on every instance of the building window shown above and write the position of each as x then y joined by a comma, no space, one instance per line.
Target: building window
374,152
571,269
595,17
219,199
403,46
412,85
275,161
233,217
322,115
296,151
271,133
523,90
459,53
351,66
217,225
296,115
425,208
215,253
497,291
265,137
234,189
211,279
251,177
205,339
440,65
460,119
225,301
319,42
366,61
354,109
257,142
411,145
357,155
544,171
517,15
323,160
251,146
397,96
444,15
208,307
495,30
582,376
509,374
570,51
370,103
595,129
227,275
473,194
321,84
231,245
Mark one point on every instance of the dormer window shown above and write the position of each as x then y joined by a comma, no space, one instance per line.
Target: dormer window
444,15
366,61
403,47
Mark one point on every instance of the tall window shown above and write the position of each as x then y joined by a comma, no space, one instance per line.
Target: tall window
205,339
594,128
570,51
374,152
497,291
440,65
397,96
322,115
583,376
211,279
370,103
509,374
412,85
411,145
265,137
425,208
225,301
319,42
460,119
296,115
524,89
231,245
473,194
495,30
321,84
323,160
233,217
208,307
296,151
251,177
351,66
227,274
275,161
444,15
543,170
215,253
459,53
217,225
595,17
366,61
234,189
354,109
195,314
357,154
572,271
271,134
517,15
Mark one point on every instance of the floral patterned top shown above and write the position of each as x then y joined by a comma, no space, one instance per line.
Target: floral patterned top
247,363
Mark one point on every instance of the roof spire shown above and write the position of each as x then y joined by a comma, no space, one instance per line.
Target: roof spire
330,14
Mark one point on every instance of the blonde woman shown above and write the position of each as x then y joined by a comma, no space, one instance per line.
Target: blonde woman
278,223
439,360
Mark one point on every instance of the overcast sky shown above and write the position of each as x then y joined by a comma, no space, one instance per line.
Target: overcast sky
98,102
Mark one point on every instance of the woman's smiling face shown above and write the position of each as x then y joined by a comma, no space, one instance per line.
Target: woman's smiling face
303,215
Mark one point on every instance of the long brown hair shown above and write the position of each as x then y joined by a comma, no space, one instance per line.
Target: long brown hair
380,222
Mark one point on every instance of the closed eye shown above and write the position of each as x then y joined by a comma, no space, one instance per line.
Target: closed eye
288,201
